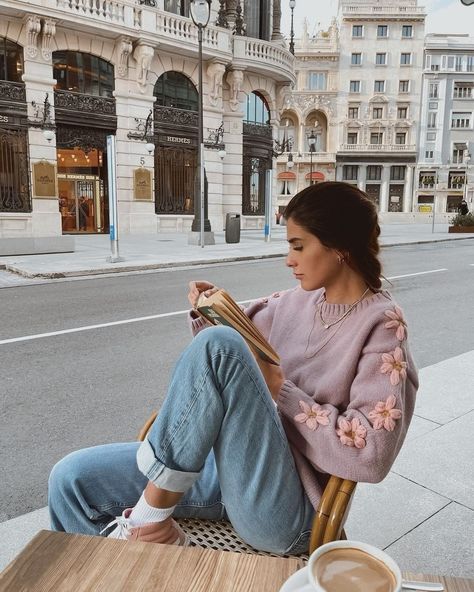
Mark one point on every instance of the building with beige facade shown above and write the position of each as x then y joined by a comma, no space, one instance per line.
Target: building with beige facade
73,72
358,92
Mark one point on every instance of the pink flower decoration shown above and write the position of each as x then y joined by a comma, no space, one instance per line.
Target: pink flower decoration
394,364
385,414
312,416
352,433
396,322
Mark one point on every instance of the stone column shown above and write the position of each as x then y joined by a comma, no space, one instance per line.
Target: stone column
384,188
408,190
39,82
276,33
362,177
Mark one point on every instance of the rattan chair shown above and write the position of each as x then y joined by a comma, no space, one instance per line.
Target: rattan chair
327,524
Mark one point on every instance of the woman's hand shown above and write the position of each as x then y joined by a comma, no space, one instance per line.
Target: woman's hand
197,288
273,376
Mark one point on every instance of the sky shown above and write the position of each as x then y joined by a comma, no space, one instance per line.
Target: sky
443,16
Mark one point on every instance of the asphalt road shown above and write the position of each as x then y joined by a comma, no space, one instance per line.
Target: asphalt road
69,390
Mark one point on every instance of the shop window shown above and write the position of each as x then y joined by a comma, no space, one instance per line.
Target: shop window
83,73
11,61
173,89
453,204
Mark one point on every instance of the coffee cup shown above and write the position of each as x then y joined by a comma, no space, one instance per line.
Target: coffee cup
354,566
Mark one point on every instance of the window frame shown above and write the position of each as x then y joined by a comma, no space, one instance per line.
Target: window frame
411,31
407,84
358,55
381,85
361,27
357,83
386,27
406,53
377,55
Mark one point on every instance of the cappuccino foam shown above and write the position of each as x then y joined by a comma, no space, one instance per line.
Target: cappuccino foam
345,569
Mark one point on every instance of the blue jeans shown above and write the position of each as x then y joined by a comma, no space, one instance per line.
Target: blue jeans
218,438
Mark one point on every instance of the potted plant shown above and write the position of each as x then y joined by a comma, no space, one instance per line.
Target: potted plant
462,223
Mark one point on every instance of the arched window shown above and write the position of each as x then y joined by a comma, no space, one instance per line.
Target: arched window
257,110
173,89
83,73
11,61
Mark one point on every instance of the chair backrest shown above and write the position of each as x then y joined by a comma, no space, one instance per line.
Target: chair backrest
332,510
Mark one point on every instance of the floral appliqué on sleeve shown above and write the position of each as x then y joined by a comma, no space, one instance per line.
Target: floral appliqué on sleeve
312,416
395,365
384,414
352,433
396,322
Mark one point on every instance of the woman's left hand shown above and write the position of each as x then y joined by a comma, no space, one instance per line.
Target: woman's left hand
273,376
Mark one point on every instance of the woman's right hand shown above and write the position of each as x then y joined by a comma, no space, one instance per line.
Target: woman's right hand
197,288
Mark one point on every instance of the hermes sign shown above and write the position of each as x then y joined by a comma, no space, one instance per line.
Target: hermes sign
44,179
142,184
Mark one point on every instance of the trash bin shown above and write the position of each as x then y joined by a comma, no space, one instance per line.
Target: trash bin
232,228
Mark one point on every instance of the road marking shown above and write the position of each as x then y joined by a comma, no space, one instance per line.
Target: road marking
111,324
157,316
397,277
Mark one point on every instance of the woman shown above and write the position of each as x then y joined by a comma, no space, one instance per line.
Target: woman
251,442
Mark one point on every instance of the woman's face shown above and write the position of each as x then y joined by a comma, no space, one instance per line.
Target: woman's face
313,264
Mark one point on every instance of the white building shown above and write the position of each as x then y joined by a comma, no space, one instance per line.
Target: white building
73,72
446,145
380,87
310,110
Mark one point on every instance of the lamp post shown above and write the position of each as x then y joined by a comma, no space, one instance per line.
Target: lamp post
200,13
311,142
292,31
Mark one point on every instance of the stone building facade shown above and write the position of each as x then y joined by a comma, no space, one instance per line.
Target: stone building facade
73,72
358,91
445,174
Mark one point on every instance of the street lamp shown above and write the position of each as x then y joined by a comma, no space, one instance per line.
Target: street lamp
467,160
200,13
311,142
292,31
290,164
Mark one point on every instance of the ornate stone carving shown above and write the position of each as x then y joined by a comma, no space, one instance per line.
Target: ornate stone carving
221,20
235,79
283,95
12,91
143,55
124,49
49,31
175,116
33,27
86,139
215,72
88,103
307,103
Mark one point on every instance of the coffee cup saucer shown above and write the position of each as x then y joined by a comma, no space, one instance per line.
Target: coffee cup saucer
298,582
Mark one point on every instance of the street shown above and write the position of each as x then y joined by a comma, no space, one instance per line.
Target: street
74,389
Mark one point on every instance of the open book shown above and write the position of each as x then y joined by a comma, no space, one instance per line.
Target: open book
221,309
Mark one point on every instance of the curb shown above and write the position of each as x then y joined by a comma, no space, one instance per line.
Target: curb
176,264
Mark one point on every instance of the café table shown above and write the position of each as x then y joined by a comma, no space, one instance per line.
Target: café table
63,562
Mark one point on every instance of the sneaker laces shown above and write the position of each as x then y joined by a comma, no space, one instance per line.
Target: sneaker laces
123,525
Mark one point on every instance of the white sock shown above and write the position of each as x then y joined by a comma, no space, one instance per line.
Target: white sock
143,513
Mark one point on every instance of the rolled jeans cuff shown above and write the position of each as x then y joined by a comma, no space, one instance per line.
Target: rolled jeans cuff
159,474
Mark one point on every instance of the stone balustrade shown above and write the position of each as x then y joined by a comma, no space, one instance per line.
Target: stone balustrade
255,54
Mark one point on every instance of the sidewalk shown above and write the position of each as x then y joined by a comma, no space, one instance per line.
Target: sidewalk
142,252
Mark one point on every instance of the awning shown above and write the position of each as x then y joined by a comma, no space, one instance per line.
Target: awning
315,176
287,176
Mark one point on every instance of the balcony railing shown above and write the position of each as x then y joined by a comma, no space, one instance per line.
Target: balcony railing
378,147
256,53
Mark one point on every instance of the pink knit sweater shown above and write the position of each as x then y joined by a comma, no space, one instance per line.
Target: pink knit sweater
349,392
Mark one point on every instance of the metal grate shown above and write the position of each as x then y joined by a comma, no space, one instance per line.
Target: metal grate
14,180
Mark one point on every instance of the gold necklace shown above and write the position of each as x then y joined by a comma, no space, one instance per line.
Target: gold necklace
327,325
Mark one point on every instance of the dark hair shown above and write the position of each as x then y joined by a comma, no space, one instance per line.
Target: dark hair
342,217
